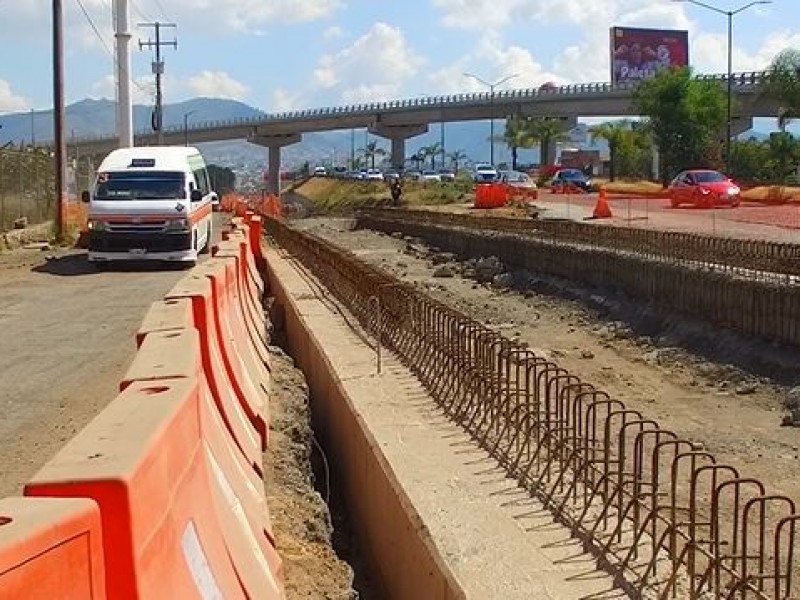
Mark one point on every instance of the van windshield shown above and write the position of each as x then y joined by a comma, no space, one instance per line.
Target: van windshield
140,185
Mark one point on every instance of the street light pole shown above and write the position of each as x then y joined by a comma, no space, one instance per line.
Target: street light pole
491,87
186,116
729,14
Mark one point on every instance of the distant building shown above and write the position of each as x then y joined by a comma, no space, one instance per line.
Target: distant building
584,160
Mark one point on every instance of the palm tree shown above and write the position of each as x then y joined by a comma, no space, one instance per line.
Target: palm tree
456,157
418,158
546,130
370,152
518,134
432,152
783,83
615,133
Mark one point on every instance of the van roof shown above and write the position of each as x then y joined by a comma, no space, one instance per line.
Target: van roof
167,158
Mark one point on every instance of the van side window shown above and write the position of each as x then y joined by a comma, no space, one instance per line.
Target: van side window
201,177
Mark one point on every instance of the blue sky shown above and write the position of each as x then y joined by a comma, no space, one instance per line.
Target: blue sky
285,54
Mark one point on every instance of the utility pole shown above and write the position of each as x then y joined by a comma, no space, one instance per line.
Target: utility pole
158,71
60,148
124,103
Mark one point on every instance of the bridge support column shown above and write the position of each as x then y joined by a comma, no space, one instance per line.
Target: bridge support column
398,134
549,148
274,143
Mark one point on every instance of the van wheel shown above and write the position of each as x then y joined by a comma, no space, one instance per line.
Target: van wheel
207,246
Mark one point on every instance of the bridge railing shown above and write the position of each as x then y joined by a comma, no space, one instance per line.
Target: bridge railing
740,80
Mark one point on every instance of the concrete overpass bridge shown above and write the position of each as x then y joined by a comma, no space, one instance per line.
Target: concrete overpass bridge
399,120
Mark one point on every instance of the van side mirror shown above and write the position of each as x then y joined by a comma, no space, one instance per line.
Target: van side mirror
85,196
196,196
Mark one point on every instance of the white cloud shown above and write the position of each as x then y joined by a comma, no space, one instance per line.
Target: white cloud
10,102
217,84
333,33
709,52
491,61
250,15
374,67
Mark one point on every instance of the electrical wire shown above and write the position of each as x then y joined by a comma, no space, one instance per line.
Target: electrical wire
140,13
94,27
163,12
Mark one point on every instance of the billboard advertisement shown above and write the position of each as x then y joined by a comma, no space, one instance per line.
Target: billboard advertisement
638,54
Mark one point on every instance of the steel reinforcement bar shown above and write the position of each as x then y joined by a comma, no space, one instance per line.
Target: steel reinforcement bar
755,259
658,510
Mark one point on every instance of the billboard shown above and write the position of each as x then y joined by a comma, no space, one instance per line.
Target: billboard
638,54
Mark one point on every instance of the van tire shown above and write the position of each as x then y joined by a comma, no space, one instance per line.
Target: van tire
207,246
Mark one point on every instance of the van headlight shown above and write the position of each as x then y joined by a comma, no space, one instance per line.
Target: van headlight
95,225
177,225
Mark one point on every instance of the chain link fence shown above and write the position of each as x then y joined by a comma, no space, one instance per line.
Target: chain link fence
28,187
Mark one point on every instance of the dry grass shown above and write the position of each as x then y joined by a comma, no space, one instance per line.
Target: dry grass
774,194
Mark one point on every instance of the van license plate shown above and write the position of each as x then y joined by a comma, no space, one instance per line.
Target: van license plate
137,251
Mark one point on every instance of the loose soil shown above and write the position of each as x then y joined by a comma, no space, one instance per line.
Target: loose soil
300,517
735,413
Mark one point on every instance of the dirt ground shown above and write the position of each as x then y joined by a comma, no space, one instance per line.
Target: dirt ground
300,517
733,412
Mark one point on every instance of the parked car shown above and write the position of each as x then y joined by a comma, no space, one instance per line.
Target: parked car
391,175
320,172
340,172
484,173
447,175
373,175
704,188
430,176
574,177
412,175
517,179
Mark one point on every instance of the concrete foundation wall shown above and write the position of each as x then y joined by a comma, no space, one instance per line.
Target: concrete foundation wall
762,309
395,542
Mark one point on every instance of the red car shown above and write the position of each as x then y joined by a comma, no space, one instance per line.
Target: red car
704,188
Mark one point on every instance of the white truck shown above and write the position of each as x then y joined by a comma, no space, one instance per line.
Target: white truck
150,203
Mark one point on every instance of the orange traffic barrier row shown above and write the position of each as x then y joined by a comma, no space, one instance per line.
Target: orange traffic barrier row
161,495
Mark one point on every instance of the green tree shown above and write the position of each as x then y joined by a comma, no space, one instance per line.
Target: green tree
783,83
629,147
370,152
686,117
457,157
518,134
784,154
546,130
223,179
432,152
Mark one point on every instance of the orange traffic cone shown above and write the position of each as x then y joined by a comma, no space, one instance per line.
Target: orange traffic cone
601,209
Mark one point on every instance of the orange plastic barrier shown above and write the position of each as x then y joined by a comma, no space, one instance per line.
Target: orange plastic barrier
165,315
242,406
51,549
254,238
238,496
490,195
248,300
233,331
142,460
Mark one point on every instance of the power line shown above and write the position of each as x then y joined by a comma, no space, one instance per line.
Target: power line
139,11
94,27
161,8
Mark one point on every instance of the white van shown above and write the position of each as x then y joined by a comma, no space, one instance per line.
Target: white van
150,203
